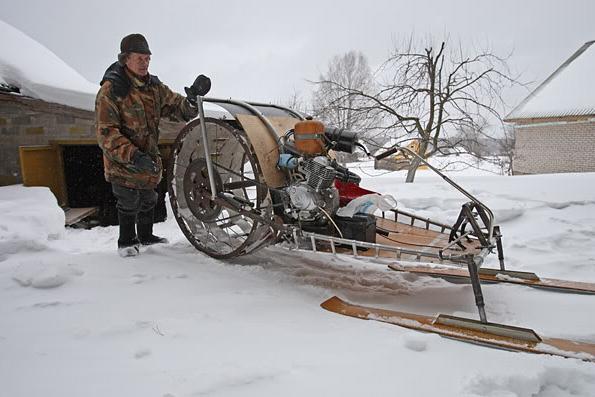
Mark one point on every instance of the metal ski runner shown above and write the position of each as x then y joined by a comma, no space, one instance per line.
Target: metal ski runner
488,275
466,330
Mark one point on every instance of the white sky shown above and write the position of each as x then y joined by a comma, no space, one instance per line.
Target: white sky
266,50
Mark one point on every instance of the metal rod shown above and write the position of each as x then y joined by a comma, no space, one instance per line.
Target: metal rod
456,186
284,108
499,247
475,283
272,131
203,132
454,242
398,250
398,212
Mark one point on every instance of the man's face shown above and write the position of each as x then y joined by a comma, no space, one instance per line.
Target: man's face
138,63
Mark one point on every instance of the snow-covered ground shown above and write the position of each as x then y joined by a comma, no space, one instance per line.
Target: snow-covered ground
78,320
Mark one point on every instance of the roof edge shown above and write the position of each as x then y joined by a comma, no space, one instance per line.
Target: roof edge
576,54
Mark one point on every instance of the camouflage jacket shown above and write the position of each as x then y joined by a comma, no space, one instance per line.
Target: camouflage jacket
127,114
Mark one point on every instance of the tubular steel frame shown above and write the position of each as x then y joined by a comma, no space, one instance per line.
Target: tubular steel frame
473,262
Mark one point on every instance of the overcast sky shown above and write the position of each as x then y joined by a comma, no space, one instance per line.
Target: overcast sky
267,50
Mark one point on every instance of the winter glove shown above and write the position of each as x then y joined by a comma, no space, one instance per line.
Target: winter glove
143,162
201,86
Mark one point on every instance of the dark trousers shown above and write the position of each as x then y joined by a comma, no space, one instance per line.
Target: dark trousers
135,211
132,201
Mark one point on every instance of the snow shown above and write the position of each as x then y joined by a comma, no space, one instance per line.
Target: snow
565,94
76,319
55,81
29,227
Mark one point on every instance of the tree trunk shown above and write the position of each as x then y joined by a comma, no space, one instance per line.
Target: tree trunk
415,162
412,170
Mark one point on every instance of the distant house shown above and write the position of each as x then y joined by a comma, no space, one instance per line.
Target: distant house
555,125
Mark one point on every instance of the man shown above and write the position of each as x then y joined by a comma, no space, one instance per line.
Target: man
128,108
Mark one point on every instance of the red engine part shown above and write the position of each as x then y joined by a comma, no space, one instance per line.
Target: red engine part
349,191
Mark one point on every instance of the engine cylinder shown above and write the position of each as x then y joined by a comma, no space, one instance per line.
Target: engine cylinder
309,137
319,173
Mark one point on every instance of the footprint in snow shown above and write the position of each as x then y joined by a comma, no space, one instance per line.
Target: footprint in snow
142,353
140,278
416,343
44,276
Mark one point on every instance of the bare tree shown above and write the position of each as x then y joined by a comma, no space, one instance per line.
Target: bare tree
429,92
330,104
295,102
506,150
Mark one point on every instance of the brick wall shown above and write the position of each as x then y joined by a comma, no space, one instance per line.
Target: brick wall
28,121
555,146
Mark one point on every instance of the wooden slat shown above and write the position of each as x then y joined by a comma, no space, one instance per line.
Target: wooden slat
553,346
402,235
498,276
74,215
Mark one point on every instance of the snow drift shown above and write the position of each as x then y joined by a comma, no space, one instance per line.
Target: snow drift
30,218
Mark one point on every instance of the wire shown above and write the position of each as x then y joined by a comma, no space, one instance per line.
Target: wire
331,219
363,148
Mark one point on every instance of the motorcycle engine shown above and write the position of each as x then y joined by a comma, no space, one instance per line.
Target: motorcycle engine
310,196
312,192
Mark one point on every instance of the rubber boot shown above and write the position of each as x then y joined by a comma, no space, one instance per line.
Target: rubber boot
128,244
145,229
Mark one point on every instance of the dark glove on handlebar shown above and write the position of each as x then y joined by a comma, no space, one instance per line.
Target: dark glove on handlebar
200,87
143,162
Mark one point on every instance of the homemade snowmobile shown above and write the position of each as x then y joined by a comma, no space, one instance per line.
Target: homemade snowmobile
267,175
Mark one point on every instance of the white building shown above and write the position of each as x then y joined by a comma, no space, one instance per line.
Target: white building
555,125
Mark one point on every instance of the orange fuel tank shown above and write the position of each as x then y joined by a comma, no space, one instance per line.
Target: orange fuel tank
309,137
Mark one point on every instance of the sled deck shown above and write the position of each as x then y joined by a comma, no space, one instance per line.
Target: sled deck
499,276
404,236
466,330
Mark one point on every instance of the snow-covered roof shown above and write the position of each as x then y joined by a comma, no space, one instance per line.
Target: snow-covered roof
566,92
39,73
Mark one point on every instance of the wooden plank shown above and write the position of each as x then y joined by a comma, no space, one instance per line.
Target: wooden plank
554,346
405,236
498,276
42,165
74,215
265,146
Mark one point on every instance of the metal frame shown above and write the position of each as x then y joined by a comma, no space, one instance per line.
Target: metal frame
250,106
493,238
473,262
489,213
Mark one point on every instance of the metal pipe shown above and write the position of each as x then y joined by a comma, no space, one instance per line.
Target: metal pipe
203,132
456,186
476,284
272,131
285,108
388,248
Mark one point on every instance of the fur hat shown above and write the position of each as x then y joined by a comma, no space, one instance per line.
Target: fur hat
135,42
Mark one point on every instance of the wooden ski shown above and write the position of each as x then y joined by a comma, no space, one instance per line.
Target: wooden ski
488,334
500,276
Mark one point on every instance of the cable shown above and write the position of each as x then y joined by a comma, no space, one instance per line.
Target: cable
332,221
361,146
